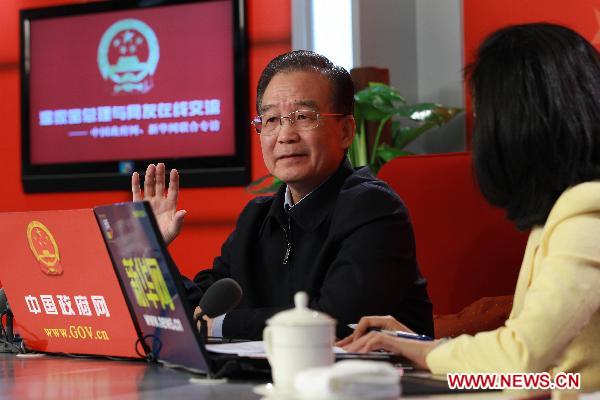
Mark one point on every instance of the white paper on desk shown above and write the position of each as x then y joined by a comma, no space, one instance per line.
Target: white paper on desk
248,349
256,348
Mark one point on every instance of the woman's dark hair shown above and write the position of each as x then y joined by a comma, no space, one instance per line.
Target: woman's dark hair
536,91
342,89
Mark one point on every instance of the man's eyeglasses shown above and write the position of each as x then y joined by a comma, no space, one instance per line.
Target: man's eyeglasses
302,120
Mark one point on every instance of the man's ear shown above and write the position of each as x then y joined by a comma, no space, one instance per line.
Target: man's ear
348,130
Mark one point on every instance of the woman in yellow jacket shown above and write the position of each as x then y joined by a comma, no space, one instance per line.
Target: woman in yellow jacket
536,153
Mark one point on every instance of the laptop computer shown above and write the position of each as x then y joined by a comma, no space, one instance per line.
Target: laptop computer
60,284
152,286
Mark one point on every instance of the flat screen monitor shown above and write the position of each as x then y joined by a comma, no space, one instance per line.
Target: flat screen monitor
109,87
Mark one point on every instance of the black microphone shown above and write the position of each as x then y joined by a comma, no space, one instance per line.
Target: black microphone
220,298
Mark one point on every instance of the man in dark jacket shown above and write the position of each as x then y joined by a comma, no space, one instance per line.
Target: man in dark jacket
339,234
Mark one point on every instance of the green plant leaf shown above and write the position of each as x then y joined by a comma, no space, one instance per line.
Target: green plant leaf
430,118
358,149
264,185
378,92
377,101
382,123
386,152
369,112
406,134
429,112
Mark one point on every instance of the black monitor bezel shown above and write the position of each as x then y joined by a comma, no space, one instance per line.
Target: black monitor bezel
104,175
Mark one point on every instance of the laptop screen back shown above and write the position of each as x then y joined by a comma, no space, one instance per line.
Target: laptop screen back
152,283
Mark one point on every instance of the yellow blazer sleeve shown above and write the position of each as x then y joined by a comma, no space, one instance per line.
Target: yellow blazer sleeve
558,304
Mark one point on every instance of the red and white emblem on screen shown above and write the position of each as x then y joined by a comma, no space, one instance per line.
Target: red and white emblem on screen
44,248
128,55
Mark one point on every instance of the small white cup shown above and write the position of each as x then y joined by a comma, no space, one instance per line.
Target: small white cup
298,339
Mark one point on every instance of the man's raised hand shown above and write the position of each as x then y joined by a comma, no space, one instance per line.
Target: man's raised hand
164,205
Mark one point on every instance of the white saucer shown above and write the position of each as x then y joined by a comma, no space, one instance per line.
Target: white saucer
270,391
31,355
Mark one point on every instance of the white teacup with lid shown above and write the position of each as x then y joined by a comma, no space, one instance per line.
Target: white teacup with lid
298,339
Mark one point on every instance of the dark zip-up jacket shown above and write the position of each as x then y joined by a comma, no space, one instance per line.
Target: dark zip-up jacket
349,245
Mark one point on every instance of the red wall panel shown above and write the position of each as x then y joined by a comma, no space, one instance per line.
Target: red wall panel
211,212
9,21
482,17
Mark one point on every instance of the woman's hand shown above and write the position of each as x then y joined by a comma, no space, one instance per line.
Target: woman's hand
164,205
414,350
385,322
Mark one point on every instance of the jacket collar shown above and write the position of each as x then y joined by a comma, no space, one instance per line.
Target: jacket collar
314,208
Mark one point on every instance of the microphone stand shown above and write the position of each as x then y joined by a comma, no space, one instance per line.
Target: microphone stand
8,344
9,325
203,327
229,366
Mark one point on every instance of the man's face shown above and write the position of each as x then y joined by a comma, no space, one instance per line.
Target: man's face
304,159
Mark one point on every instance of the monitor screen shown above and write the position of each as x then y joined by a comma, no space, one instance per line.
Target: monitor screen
109,87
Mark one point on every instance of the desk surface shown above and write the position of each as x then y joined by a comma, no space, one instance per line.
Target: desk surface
85,378
55,377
